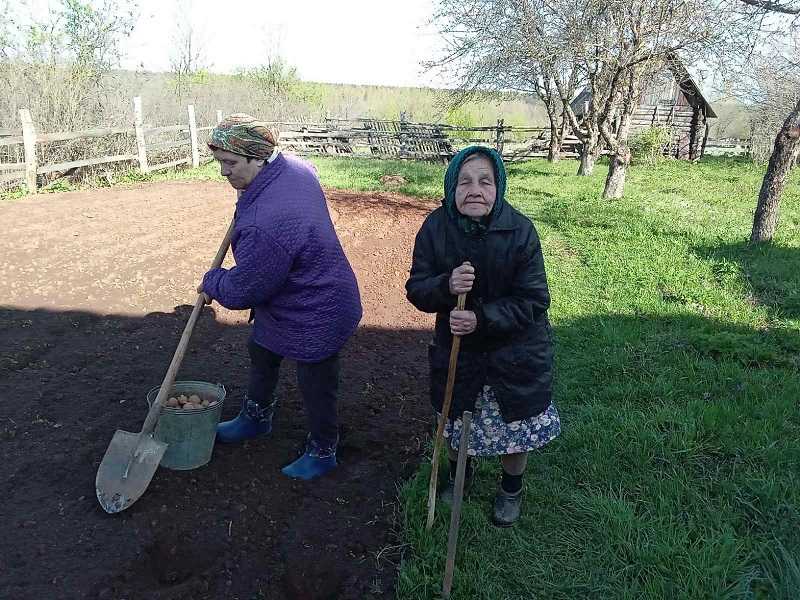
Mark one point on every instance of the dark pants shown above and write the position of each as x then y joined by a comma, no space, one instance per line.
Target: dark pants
318,382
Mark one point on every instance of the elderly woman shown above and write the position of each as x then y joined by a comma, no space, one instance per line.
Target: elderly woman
479,245
293,275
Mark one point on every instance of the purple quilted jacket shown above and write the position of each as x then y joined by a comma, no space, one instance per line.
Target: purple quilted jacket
290,267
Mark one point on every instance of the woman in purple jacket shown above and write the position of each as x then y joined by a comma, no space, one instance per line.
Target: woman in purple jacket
292,273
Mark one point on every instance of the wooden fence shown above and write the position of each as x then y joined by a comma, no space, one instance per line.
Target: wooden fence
375,138
25,156
143,144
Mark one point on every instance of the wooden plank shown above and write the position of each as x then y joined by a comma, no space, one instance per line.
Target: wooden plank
193,136
174,163
141,147
88,133
167,145
11,141
165,129
29,137
365,140
315,144
20,166
85,163
14,132
371,137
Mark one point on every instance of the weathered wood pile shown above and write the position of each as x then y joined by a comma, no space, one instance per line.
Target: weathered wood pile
378,138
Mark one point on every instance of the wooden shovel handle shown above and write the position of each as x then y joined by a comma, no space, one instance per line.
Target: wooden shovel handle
448,397
177,359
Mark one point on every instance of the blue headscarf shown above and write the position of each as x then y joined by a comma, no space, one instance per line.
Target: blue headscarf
465,223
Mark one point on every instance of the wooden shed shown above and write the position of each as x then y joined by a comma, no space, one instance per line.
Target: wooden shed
673,100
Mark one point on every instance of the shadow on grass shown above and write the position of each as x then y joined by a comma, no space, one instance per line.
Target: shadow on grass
773,272
677,455
604,350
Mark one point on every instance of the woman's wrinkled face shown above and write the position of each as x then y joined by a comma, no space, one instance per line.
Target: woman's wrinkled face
237,169
476,190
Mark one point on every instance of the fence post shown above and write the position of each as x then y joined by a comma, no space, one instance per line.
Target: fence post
219,117
140,145
29,143
498,142
193,137
403,135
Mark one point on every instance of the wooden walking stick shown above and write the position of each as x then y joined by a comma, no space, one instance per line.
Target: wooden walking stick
458,497
448,397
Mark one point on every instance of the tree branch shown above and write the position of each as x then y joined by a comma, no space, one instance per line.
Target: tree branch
769,6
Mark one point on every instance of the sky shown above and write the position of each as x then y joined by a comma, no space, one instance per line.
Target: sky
350,41
372,42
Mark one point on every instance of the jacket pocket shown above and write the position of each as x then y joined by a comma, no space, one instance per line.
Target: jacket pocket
522,364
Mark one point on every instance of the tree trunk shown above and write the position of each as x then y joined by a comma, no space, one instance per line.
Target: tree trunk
554,150
784,155
589,154
621,156
615,182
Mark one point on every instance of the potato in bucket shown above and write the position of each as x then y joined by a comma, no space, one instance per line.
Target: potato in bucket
188,423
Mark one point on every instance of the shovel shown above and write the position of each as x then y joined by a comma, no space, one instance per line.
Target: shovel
132,458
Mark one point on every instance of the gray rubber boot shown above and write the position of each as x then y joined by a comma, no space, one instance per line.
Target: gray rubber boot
448,489
506,508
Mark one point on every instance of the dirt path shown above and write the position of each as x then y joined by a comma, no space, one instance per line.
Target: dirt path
97,287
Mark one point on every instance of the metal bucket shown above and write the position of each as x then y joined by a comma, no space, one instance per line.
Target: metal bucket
189,433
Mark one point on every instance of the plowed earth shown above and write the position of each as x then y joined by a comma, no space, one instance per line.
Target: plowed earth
96,289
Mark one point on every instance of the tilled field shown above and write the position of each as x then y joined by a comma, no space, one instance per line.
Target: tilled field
97,287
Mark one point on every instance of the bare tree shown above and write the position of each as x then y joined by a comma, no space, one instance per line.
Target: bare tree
783,159
187,57
786,8
60,65
549,46
630,43
763,70
493,46
7,31
776,92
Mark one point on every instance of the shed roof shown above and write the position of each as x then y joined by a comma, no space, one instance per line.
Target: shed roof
681,75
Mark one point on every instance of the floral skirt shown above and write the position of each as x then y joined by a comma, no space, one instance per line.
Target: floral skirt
491,436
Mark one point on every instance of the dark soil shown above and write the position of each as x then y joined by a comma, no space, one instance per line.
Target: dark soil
97,287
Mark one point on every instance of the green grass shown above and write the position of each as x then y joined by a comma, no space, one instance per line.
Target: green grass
678,378
678,359
678,381
422,179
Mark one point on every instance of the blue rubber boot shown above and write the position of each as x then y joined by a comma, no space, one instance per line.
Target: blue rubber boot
252,422
313,463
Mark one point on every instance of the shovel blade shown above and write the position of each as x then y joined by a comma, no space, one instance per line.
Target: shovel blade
117,490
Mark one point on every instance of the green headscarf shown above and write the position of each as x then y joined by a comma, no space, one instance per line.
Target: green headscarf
245,135
465,223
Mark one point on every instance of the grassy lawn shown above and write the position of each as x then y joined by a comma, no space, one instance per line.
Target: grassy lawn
678,384
678,381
